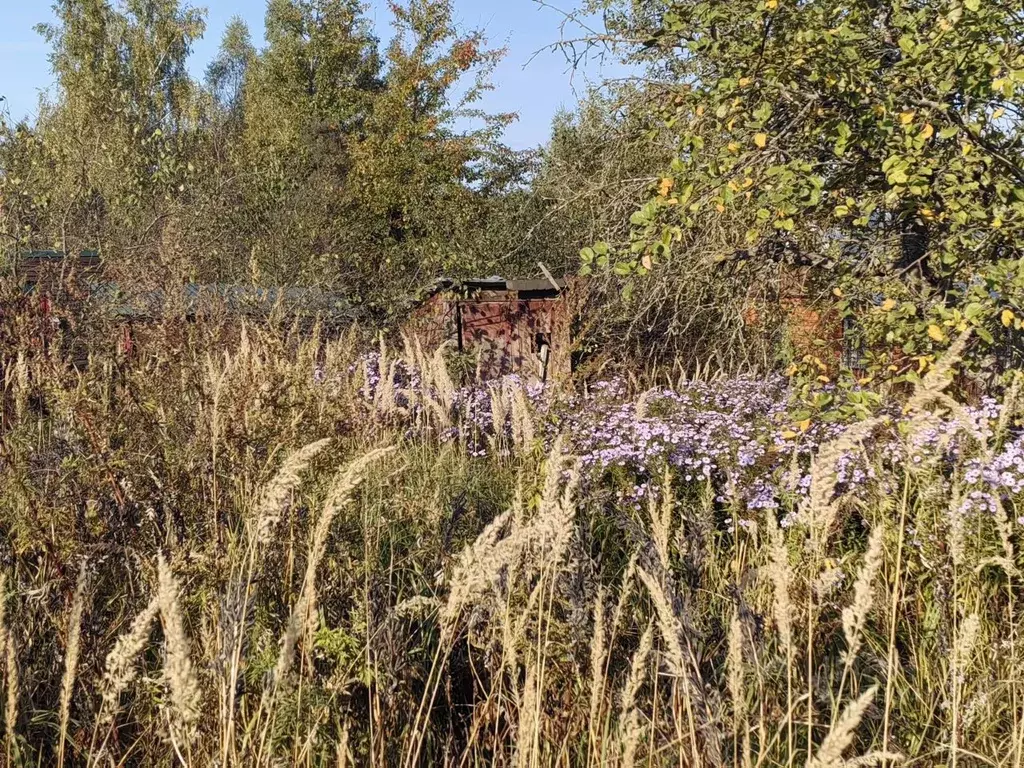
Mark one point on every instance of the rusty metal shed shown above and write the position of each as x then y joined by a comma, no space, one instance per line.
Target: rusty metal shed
507,326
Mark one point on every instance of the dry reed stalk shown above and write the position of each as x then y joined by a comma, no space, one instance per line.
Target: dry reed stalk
597,666
661,518
13,684
839,738
683,665
735,671
855,615
21,388
529,545
409,352
71,658
384,403
965,637
630,729
340,494
643,403
4,631
529,702
523,433
625,592
499,413
278,490
667,623
120,664
178,670
781,574
442,380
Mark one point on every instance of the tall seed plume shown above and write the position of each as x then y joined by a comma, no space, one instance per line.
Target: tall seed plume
13,683
120,665
442,379
855,614
178,670
830,754
629,716
347,481
661,518
3,611
71,657
781,575
597,661
278,490
667,623
734,667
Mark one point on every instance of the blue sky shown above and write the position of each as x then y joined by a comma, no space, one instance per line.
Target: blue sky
533,86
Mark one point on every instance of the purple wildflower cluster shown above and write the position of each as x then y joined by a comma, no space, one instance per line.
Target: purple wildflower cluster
996,478
734,435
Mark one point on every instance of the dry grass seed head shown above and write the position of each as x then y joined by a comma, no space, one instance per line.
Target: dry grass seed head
120,664
734,666
667,623
73,648
839,739
13,686
855,615
179,673
597,659
279,489
340,494
781,575
630,728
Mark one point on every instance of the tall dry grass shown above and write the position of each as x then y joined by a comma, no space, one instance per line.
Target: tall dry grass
266,584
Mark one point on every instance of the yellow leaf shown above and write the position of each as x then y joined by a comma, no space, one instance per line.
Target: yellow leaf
760,139
998,113
966,149
700,110
789,434
906,118
647,263
997,223
922,364
771,5
720,208
837,292
744,82
1007,318
927,132
889,305
936,334
666,187
733,147
804,425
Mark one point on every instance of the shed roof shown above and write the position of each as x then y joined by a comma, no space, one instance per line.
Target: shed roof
248,301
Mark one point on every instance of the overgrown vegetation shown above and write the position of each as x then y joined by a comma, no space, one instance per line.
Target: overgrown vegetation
264,551
238,543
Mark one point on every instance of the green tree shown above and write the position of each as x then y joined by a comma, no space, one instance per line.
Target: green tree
111,147
226,75
876,140
424,148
